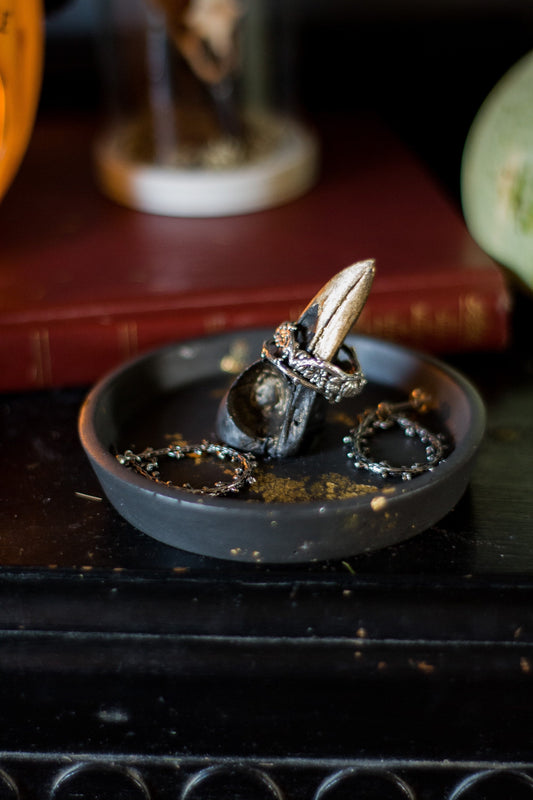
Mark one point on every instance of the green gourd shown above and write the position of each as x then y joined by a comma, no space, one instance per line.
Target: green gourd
497,172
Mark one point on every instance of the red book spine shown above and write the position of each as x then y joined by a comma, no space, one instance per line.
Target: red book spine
79,350
85,284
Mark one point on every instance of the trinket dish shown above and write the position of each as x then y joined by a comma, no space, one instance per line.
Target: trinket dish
311,507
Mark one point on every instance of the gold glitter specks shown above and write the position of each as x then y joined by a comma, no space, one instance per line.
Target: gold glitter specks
237,358
378,503
331,486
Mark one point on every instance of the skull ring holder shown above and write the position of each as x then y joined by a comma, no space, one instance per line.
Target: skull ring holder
291,409
275,403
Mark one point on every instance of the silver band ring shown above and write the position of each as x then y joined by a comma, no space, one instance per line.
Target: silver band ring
384,417
147,465
300,366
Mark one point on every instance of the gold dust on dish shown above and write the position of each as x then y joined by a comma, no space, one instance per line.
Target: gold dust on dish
342,418
176,438
331,486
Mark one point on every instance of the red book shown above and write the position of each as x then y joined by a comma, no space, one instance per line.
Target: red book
86,283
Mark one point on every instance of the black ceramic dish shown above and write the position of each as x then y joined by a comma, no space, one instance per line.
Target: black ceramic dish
315,506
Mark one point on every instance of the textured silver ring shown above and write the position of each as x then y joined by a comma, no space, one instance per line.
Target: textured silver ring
323,377
384,417
147,465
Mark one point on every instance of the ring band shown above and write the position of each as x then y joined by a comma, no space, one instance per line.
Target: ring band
323,377
147,465
384,417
